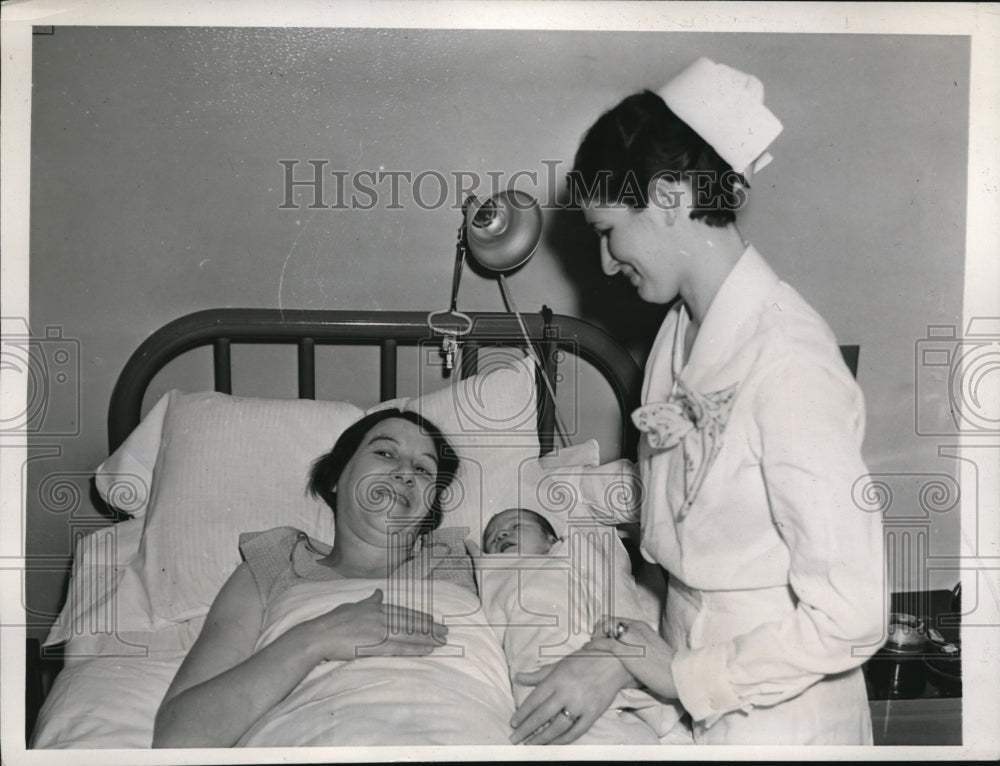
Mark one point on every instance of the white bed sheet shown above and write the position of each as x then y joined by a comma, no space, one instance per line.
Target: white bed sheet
105,702
458,695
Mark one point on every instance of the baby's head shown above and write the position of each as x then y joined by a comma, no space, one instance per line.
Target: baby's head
518,530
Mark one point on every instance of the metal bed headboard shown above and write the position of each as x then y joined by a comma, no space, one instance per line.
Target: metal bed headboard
220,328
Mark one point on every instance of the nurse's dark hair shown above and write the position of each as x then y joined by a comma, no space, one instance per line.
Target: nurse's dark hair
327,468
641,140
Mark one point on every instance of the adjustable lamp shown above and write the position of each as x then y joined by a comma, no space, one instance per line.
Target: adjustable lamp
503,232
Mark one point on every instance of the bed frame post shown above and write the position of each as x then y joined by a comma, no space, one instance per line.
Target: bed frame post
546,406
470,359
387,369
307,368
223,366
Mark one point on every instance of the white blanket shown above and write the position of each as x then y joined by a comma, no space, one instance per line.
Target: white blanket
458,695
105,702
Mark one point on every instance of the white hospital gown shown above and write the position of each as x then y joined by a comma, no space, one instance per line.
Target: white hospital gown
776,593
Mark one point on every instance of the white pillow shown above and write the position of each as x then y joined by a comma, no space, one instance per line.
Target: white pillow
98,592
569,486
573,491
124,479
550,485
491,421
227,465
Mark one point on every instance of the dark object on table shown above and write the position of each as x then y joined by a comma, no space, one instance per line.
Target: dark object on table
944,670
943,664
933,718
897,670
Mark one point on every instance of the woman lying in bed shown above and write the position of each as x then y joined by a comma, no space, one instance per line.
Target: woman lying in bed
311,645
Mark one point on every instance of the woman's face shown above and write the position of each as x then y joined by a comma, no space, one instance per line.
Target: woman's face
388,485
636,242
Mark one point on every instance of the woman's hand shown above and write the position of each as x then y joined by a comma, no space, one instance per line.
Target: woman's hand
568,697
641,650
369,628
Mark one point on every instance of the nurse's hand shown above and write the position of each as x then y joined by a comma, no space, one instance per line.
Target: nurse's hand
641,650
568,697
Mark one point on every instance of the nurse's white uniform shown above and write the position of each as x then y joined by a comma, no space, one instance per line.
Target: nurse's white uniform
776,592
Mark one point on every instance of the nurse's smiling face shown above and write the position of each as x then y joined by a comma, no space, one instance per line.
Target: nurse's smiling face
637,243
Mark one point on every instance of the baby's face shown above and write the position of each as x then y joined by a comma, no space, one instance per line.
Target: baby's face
516,531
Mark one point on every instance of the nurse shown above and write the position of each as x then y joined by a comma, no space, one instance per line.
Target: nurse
751,434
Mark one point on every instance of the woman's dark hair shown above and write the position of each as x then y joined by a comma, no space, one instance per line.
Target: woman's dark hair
641,140
326,469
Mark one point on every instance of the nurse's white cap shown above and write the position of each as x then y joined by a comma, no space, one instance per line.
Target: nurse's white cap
725,107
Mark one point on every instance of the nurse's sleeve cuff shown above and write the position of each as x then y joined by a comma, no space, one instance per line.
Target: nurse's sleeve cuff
701,678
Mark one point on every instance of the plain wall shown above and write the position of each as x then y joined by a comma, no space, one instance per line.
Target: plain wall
157,191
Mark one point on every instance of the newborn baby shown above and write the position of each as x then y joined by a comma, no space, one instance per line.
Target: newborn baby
518,530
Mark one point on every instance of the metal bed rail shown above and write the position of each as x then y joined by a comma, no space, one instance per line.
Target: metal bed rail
220,328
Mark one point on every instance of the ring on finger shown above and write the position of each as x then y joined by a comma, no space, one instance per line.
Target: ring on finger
620,630
568,714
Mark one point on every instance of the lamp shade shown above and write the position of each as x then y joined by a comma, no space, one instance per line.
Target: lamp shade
503,231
